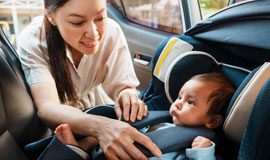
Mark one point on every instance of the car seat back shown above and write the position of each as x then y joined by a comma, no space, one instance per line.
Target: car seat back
243,100
19,123
249,84
256,138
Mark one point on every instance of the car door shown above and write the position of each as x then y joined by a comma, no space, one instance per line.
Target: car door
147,22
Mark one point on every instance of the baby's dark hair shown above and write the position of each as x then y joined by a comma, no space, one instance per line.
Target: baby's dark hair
221,96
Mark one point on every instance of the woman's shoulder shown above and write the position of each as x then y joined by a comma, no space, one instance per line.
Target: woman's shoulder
32,36
113,33
112,23
113,27
33,28
112,36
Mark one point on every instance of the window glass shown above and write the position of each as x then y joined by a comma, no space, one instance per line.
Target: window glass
209,7
15,15
159,14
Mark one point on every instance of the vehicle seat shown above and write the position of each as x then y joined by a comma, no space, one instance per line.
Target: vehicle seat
255,141
178,61
19,124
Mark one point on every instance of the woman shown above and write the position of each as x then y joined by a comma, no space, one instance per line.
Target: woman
66,56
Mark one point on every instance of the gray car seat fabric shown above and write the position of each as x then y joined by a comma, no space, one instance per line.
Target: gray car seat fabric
240,108
256,139
51,148
19,124
171,139
153,117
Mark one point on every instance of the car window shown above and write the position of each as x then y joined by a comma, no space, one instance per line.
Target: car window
209,7
15,15
163,15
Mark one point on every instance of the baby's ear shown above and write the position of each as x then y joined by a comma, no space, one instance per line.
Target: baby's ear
214,121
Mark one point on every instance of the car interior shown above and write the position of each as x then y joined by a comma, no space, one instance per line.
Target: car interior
226,42
19,122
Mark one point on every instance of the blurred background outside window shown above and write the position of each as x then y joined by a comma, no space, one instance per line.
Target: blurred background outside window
16,14
162,15
209,7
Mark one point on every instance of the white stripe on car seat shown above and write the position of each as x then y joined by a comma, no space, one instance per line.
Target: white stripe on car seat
236,67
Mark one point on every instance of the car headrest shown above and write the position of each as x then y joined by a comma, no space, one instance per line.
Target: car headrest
191,63
242,102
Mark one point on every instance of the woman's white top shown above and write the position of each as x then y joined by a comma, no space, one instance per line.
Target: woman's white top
110,68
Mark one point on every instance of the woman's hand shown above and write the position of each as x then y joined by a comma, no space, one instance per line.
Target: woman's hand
201,142
129,107
117,141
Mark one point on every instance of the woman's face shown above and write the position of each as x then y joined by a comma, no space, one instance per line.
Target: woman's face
81,23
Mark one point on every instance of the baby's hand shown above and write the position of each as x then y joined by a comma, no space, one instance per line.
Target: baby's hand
201,142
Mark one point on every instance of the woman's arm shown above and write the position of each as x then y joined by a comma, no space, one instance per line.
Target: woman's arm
116,138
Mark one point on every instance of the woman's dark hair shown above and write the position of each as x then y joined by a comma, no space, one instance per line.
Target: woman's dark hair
221,96
57,56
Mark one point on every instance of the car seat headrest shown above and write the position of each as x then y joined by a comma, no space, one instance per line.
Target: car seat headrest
243,101
184,67
192,63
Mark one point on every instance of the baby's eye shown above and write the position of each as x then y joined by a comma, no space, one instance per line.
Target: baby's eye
190,102
179,97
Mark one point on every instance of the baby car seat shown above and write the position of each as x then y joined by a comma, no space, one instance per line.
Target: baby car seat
239,51
248,83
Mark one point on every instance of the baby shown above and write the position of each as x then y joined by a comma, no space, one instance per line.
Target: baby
200,103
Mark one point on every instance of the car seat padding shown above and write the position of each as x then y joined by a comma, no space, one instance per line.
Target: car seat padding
154,117
256,136
244,99
171,139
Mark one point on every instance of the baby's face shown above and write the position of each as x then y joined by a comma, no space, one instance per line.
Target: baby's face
191,106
